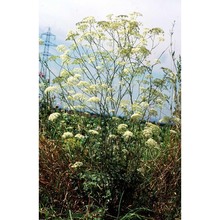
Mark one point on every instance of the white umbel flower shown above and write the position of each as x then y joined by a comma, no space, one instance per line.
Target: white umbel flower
93,132
50,89
78,96
154,128
61,48
127,135
148,133
136,116
152,143
79,136
53,116
77,164
67,135
83,84
64,73
112,137
94,99
122,127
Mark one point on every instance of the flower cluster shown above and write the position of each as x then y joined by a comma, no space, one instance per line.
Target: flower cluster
122,127
77,164
53,116
136,116
165,120
155,129
50,89
147,132
115,118
94,132
65,57
77,96
79,136
73,80
67,135
64,73
127,135
61,48
136,107
152,143
112,137
94,99
83,84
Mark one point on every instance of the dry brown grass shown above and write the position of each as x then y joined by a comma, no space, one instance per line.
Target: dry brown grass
56,179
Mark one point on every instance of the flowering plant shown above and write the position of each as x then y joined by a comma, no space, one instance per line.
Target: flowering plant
110,63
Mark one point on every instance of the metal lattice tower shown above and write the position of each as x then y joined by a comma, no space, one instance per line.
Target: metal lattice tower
47,37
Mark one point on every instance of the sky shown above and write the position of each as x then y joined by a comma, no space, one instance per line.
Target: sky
62,15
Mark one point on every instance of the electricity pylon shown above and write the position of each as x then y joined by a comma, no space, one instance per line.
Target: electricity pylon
46,37
44,76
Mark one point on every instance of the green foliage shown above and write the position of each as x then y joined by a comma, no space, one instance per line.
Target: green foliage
110,171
